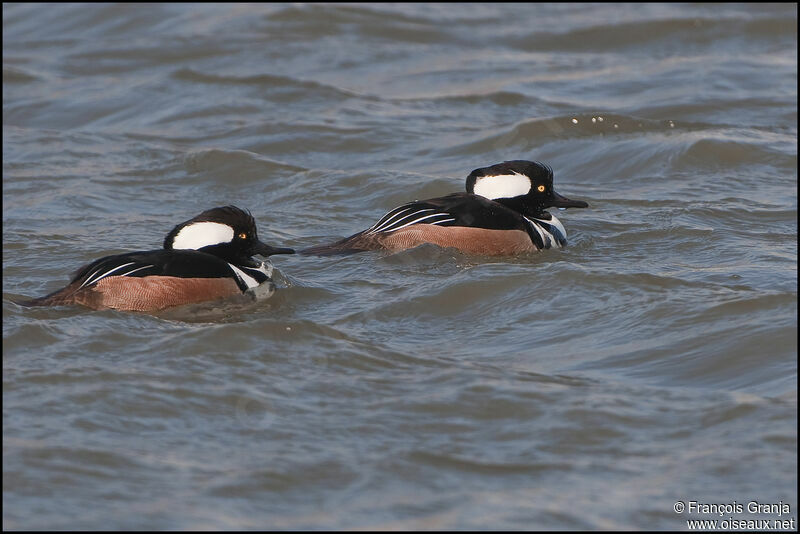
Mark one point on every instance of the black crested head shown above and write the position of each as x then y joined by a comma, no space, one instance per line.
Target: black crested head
228,232
232,215
226,222
524,186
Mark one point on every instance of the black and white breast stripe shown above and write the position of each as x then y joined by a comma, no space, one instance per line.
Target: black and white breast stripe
408,214
250,277
547,234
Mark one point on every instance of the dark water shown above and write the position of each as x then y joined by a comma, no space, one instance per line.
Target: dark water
652,361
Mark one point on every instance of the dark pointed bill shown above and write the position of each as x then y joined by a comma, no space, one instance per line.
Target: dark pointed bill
559,201
263,249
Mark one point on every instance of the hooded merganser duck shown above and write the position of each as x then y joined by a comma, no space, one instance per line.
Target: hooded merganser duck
205,258
502,213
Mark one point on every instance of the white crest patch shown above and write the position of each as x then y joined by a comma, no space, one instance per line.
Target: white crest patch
502,186
202,234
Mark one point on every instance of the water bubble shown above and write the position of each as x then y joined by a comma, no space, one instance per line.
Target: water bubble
254,413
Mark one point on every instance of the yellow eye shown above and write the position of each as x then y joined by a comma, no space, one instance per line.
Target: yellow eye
243,236
541,189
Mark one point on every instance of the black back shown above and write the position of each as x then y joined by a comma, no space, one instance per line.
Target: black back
457,209
176,263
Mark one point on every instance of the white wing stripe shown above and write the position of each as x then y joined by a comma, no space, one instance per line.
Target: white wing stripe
388,217
89,277
387,221
415,221
94,279
387,224
406,215
137,269
401,220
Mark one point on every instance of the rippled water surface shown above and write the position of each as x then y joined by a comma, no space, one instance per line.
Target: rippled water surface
652,361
